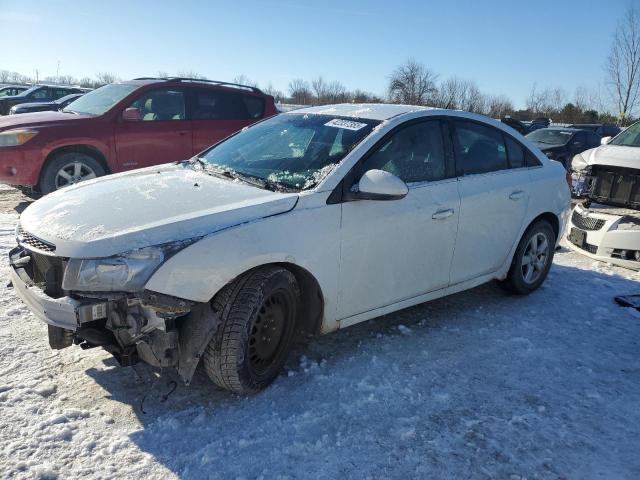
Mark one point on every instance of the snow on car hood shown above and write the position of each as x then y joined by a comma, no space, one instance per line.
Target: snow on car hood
150,206
610,155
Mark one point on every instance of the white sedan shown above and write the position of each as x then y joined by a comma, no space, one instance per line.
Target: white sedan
304,223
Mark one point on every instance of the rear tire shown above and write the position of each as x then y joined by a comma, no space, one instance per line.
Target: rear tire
257,322
532,259
68,168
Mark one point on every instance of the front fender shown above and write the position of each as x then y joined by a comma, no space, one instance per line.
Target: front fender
306,237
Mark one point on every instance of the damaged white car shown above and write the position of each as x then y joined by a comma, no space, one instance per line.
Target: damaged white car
605,225
304,223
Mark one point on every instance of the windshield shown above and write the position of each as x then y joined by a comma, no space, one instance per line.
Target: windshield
550,136
100,100
294,151
629,138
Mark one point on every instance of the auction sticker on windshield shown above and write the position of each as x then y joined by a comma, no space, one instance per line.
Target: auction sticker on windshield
348,124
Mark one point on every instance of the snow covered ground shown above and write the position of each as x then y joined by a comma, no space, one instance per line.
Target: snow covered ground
477,385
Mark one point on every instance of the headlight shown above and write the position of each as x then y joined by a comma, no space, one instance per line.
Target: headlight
13,138
127,272
578,163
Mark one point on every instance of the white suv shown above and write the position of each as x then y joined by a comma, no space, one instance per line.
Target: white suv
307,222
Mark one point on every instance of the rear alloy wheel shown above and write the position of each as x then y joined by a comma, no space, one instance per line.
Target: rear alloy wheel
69,168
532,259
257,321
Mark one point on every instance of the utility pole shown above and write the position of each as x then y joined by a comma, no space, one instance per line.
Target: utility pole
58,72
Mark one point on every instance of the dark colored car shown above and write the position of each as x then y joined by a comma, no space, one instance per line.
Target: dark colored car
45,106
561,144
526,127
517,125
122,126
11,90
602,129
37,93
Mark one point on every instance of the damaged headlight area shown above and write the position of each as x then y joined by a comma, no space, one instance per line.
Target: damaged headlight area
127,272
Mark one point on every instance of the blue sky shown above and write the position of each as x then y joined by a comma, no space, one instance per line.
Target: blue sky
505,46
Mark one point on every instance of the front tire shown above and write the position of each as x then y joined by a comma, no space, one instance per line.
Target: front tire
257,322
532,259
68,168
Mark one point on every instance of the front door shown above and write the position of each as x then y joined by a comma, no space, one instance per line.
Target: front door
398,249
161,134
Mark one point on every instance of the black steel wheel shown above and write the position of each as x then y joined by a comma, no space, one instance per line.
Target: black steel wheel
257,321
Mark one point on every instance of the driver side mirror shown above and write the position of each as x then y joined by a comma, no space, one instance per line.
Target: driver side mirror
131,114
605,140
380,185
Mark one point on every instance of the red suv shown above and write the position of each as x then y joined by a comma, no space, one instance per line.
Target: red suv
123,126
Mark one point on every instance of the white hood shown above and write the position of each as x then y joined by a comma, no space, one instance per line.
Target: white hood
611,155
146,207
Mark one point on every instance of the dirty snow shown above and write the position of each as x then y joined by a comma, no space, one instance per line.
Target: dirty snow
476,385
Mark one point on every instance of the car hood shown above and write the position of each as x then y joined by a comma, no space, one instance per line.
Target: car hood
37,119
36,104
612,155
145,207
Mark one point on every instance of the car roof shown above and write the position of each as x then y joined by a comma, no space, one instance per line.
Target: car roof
203,81
369,111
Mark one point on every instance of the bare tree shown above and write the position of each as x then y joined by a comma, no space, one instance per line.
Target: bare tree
244,80
450,93
623,63
360,96
319,88
4,76
412,83
104,78
274,92
300,92
498,106
190,74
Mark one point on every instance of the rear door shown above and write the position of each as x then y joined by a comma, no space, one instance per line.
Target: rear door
218,113
162,133
494,193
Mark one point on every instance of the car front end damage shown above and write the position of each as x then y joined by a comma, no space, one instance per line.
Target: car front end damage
606,224
136,325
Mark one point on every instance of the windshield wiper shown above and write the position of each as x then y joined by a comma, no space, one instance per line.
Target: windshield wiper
252,180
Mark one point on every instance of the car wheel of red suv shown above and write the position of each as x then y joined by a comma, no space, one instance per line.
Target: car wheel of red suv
68,168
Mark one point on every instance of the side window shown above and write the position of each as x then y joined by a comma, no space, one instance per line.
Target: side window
223,105
161,104
580,138
41,94
480,149
515,153
254,106
59,93
531,160
414,154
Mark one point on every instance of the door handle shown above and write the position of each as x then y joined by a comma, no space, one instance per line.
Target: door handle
442,214
182,133
517,195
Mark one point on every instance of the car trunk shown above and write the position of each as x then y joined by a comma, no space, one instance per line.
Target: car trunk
617,186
